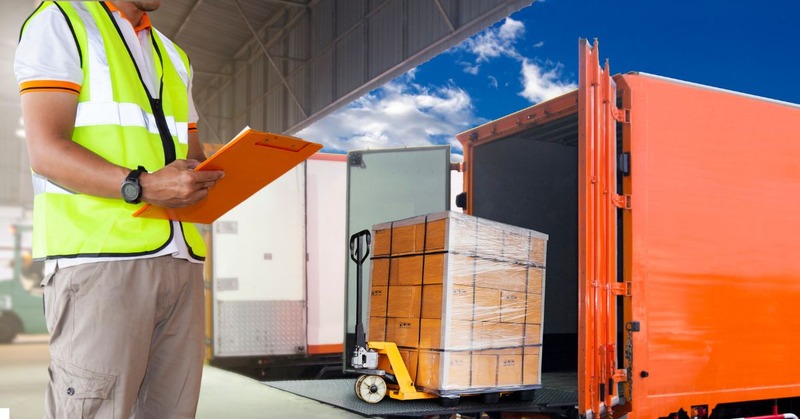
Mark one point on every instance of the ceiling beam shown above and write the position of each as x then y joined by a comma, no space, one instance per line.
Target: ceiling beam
445,16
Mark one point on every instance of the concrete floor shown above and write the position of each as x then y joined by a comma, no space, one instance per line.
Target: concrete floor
23,377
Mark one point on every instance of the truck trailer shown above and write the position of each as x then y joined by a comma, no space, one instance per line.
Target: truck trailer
672,283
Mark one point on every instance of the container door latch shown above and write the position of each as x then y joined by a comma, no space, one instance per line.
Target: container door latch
621,201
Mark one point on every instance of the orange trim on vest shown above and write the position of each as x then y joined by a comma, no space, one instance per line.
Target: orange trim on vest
49,86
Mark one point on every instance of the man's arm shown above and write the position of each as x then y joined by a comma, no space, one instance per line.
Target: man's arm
49,121
195,149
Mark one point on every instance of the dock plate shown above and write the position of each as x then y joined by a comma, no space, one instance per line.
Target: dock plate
339,393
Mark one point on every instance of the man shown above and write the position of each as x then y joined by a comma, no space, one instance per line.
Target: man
110,125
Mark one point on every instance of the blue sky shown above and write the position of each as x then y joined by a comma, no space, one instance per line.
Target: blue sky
532,56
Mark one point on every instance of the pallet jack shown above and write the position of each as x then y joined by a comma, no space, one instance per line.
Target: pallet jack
380,363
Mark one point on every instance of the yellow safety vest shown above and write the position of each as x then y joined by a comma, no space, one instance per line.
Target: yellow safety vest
118,120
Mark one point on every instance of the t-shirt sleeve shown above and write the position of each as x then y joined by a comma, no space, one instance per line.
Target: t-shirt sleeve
193,117
47,58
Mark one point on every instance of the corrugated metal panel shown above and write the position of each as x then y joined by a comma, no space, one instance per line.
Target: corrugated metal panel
348,14
425,26
350,59
385,38
322,81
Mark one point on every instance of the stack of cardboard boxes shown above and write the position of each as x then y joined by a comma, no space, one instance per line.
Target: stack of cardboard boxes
462,297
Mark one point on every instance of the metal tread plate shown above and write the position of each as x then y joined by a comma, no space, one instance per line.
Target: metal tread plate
339,393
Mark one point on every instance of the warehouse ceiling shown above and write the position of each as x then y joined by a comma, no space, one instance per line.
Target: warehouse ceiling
280,65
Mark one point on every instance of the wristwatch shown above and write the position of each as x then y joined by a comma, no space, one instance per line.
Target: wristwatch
131,189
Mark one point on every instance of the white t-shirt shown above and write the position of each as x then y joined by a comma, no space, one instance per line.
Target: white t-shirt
47,59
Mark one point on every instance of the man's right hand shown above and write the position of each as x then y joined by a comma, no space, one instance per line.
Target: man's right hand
178,184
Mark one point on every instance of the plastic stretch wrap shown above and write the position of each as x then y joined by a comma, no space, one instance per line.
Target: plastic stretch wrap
463,298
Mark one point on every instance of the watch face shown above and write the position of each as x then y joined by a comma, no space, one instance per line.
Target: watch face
129,191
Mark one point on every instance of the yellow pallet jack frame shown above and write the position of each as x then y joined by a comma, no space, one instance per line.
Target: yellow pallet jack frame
372,385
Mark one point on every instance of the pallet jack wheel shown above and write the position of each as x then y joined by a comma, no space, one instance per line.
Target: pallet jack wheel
370,388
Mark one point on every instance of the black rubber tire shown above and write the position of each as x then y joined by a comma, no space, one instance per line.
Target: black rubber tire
10,326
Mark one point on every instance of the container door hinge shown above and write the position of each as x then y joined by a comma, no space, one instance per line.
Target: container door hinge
621,201
621,115
621,288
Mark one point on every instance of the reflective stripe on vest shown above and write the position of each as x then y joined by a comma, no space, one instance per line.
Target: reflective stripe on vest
116,119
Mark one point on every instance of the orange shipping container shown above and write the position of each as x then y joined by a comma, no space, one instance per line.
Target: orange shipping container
678,201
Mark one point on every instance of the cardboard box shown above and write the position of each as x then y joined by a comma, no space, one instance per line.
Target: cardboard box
538,250
449,370
377,329
533,334
404,332
498,335
380,271
533,309
432,301
406,270
377,302
531,363
509,370
460,232
408,239
512,307
535,280
516,245
501,275
459,302
489,239
381,242
460,269
487,304
434,269
458,334
436,236
484,369
404,301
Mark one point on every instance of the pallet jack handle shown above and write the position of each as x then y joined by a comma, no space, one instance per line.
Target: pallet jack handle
359,255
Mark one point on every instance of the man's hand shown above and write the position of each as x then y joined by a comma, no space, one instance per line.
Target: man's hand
177,184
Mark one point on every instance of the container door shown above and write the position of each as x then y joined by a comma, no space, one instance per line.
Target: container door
259,272
598,204
383,186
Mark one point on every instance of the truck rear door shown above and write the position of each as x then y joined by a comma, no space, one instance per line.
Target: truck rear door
386,185
599,203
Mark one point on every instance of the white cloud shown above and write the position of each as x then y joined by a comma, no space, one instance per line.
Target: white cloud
493,81
538,44
540,84
399,114
492,43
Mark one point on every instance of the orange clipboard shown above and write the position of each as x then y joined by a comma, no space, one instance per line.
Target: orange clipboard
252,160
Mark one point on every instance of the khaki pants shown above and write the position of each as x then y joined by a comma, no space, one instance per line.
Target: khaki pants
126,339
